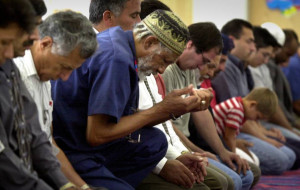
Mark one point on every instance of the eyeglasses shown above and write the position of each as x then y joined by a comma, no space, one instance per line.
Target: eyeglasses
205,60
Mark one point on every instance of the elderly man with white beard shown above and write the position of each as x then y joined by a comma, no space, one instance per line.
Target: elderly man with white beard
96,122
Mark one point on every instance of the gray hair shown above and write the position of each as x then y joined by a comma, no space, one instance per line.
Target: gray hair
98,7
68,31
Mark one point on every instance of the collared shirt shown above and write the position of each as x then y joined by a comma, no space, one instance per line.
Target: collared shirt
39,90
175,78
229,113
233,78
261,76
12,174
245,70
106,83
175,146
292,73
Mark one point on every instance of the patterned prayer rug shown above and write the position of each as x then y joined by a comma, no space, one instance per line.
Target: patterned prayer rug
287,181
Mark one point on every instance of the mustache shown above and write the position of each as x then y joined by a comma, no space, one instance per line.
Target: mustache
28,43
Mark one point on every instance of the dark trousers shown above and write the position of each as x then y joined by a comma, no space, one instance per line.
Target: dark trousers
122,165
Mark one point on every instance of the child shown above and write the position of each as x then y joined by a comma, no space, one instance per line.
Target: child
230,115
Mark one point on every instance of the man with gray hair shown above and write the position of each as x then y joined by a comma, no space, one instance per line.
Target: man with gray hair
103,134
109,13
60,50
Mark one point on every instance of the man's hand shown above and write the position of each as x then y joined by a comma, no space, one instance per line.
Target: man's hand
210,155
230,157
205,96
274,142
176,172
181,101
278,134
196,162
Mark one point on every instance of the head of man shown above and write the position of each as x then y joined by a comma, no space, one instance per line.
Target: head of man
289,48
25,41
208,70
159,39
265,44
109,13
240,31
228,46
66,40
277,33
204,45
16,16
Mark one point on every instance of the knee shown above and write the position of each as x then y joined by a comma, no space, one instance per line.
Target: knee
238,183
247,180
154,140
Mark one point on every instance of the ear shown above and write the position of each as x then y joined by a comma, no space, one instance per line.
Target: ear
232,37
46,42
107,18
149,42
252,103
189,44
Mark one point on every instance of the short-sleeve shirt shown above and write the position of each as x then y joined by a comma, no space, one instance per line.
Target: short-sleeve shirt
229,113
107,83
39,90
292,74
175,78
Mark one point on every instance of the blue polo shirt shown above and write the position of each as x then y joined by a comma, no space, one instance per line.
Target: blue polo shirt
107,83
292,74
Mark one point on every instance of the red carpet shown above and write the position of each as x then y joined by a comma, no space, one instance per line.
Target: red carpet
288,181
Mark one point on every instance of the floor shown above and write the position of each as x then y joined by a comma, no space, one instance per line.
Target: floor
288,181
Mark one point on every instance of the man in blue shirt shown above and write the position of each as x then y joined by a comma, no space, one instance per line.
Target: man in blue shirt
96,120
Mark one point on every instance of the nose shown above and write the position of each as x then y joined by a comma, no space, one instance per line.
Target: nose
34,35
65,75
266,60
138,19
252,47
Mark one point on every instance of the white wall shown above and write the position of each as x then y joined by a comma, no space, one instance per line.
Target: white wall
219,11
81,6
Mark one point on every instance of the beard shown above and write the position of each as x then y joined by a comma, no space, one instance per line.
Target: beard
145,68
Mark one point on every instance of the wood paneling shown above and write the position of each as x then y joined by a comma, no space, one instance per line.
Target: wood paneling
260,13
182,8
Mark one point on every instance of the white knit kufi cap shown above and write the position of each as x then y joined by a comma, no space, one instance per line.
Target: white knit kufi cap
275,31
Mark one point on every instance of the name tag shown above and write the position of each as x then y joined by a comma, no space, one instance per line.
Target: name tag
1,146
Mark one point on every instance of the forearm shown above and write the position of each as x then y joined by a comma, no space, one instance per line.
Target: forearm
102,129
251,127
67,168
230,142
206,128
279,118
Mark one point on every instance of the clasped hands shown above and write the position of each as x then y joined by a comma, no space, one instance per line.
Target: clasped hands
185,170
188,99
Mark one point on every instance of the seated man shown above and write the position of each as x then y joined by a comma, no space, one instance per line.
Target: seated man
26,156
37,67
96,121
205,45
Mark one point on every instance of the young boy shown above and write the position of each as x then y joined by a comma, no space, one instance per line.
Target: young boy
230,115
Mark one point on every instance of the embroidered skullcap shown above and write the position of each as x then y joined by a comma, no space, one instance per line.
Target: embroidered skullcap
169,29
275,31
